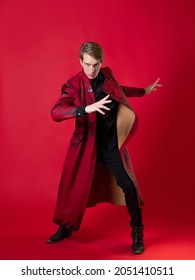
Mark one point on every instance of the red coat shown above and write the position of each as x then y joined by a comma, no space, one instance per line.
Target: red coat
83,182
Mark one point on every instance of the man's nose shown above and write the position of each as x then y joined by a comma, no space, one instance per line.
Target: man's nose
92,69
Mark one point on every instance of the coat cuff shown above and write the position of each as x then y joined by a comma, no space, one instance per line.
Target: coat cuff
81,111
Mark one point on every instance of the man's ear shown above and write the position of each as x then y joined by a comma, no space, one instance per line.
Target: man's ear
81,62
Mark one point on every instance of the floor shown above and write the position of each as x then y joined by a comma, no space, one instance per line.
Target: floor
104,235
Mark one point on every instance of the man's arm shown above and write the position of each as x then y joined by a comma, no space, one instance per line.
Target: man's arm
65,107
133,91
138,92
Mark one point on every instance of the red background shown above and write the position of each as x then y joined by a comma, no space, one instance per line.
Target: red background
142,40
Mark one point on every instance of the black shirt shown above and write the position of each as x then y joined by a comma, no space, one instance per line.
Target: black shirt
106,135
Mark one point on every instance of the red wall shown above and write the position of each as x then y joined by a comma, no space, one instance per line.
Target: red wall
142,40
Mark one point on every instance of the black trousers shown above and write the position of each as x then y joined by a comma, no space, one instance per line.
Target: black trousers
112,160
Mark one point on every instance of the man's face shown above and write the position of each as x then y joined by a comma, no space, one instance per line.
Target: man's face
91,66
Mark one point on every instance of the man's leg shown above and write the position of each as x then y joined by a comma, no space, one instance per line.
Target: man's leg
113,161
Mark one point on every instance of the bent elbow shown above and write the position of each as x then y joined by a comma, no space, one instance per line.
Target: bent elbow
55,116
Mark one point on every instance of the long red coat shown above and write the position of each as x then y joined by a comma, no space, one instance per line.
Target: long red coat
84,182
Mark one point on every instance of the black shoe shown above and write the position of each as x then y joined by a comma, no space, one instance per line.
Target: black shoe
60,235
138,243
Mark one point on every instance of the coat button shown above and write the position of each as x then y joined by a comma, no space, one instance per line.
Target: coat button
91,101
90,90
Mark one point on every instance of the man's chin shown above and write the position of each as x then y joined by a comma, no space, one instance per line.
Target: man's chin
92,76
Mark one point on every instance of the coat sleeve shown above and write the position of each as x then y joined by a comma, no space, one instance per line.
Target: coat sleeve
133,91
128,91
65,107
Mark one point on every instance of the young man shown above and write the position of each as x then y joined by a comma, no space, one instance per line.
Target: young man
104,123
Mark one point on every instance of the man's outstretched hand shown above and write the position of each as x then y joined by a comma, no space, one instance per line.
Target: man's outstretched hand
98,106
153,86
